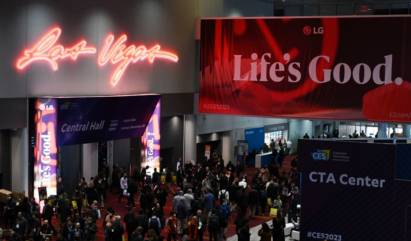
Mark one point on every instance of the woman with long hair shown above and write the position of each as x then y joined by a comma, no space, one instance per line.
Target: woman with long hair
264,232
278,227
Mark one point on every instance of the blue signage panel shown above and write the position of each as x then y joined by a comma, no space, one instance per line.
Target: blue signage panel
255,138
85,120
348,190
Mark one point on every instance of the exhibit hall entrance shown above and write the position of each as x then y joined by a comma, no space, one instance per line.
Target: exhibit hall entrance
75,136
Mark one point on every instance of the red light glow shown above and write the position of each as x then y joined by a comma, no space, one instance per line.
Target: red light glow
119,52
45,50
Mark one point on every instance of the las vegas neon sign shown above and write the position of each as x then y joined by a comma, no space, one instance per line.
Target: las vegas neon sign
116,53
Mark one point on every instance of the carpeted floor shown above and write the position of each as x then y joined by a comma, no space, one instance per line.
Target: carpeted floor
121,209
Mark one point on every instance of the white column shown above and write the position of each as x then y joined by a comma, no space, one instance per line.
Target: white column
382,130
19,160
190,145
406,131
90,160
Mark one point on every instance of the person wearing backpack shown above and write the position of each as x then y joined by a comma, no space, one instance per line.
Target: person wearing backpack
171,227
154,223
224,195
213,226
225,209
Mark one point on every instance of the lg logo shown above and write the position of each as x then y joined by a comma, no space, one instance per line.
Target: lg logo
307,30
46,107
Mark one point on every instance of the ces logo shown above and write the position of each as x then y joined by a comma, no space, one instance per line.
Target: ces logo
65,106
307,30
321,155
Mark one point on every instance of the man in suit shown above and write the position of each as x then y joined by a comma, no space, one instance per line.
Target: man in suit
65,211
60,186
130,221
132,189
180,177
47,211
200,173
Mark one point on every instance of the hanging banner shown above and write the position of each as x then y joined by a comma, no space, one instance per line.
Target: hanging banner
45,149
94,119
207,151
150,141
350,68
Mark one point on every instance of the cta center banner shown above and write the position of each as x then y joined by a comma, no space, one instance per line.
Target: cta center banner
94,119
348,190
352,68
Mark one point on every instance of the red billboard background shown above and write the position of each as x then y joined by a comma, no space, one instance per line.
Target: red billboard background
354,68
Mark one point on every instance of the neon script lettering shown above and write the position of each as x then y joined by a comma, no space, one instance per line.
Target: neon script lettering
120,53
46,50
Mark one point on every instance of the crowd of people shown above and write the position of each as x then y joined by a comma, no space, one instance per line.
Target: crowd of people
207,195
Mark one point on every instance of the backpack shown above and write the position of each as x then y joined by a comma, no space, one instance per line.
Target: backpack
118,229
224,210
222,196
153,223
213,223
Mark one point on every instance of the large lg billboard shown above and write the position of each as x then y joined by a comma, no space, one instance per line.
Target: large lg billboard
318,68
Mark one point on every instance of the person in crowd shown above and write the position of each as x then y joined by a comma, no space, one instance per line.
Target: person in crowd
60,186
117,229
207,182
355,134
168,181
22,226
36,226
47,211
59,238
296,225
156,176
123,186
154,224
265,232
213,226
137,177
253,201
171,227
230,166
180,177
179,163
100,190
182,215
197,205
10,212
46,229
292,216
115,182
142,221
224,195
130,221
137,235
90,229
306,136
188,169
243,201
263,201
189,199
78,198
132,189
278,227
225,213
244,233
223,181
202,225
193,229
208,203
78,233
67,230
177,199
64,210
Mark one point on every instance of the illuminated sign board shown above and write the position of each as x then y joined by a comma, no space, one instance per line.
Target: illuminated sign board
114,52
45,149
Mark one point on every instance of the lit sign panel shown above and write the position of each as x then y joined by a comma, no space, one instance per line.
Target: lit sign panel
45,149
151,141
114,52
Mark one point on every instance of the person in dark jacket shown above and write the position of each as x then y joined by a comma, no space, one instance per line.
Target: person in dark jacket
156,176
244,234
253,201
132,189
143,201
202,224
130,221
90,229
182,215
198,205
142,221
65,211
223,181
115,179
137,235
243,201
180,177
47,211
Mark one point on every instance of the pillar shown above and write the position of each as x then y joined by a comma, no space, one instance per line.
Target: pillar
382,130
89,154
189,145
19,160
